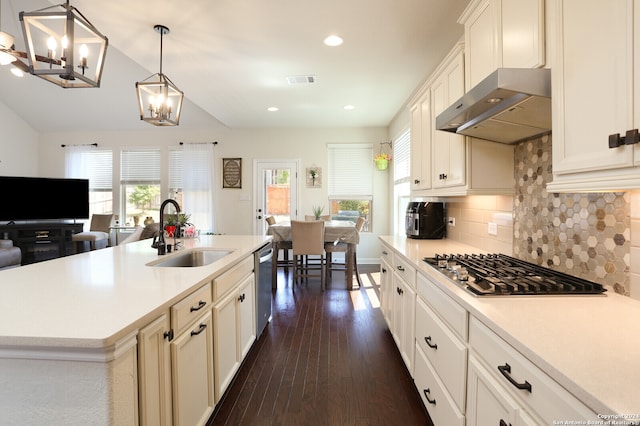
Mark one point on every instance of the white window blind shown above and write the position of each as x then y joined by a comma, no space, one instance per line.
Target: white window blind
90,163
350,171
175,168
140,166
402,157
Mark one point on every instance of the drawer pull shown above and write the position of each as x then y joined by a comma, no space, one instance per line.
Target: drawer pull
385,252
384,270
400,268
241,298
426,395
503,423
199,330
399,291
200,306
506,372
428,341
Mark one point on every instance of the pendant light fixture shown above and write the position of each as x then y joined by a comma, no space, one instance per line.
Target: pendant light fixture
63,47
160,100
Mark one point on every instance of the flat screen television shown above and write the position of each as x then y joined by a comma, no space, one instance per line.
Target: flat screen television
31,198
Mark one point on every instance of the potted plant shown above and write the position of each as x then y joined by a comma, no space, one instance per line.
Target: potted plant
183,218
170,226
317,211
382,161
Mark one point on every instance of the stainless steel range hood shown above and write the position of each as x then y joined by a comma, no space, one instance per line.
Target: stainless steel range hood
510,105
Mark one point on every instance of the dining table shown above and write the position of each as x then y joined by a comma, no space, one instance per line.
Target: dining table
335,231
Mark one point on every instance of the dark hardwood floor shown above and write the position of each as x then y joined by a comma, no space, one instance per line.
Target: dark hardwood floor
326,358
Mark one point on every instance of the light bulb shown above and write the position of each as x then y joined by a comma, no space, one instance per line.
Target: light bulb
64,42
84,51
52,44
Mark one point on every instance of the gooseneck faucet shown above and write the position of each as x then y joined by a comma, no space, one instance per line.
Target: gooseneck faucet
161,243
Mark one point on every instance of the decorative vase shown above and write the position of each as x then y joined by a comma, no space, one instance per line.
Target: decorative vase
136,220
171,229
382,164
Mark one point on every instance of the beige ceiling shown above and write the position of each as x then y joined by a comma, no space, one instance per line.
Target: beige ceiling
231,57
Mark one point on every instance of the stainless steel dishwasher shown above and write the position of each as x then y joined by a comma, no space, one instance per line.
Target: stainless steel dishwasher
262,270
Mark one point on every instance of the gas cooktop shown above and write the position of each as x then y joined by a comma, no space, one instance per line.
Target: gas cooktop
502,275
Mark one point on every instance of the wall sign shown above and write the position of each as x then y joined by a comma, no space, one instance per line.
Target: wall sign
232,172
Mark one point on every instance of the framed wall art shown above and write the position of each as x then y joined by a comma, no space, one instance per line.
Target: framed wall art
232,172
314,177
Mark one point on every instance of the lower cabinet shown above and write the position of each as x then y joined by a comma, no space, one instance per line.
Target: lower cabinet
234,333
175,364
192,373
403,318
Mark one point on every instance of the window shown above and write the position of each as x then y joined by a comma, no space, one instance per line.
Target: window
140,184
175,174
350,182
401,179
88,162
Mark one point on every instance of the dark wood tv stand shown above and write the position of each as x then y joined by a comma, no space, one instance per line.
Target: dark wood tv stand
41,240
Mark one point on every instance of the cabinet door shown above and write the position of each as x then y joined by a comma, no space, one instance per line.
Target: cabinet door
154,373
192,366
481,39
421,143
386,293
403,323
522,33
592,85
246,321
448,162
487,402
225,343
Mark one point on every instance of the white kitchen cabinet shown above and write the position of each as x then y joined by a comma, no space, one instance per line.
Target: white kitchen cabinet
502,34
403,310
448,162
386,283
518,383
175,363
154,373
192,373
489,403
421,134
234,321
595,85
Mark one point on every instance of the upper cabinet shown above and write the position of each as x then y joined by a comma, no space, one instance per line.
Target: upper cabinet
596,91
443,163
502,34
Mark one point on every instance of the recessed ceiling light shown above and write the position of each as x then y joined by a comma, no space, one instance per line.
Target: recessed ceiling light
333,40
273,109
349,107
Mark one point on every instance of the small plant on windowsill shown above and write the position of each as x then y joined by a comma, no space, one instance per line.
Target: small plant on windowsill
317,211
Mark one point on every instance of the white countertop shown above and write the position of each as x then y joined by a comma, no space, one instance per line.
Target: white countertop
589,344
91,300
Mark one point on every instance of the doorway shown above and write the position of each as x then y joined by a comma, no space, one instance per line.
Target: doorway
276,192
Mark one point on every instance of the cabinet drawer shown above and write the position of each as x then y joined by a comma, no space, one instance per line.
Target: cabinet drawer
405,270
545,397
446,352
387,255
442,409
191,307
454,315
232,277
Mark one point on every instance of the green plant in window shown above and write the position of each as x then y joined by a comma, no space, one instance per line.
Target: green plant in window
317,211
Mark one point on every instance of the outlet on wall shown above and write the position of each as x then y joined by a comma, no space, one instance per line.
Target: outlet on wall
493,228
452,221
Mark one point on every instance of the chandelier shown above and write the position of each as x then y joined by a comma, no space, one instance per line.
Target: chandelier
159,99
63,47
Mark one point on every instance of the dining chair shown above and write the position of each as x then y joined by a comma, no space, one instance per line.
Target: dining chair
281,246
342,247
98,234
308,240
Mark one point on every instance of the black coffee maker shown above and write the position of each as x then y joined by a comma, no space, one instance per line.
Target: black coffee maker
426,220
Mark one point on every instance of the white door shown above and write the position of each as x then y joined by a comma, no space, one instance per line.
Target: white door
276,191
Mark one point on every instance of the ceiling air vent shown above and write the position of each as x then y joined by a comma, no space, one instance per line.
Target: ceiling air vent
301,79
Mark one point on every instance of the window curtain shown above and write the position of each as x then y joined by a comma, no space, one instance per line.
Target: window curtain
197,184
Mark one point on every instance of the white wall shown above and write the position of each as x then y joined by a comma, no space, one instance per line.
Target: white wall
18,145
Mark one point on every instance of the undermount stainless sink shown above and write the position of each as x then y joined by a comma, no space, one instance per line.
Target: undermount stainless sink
191,258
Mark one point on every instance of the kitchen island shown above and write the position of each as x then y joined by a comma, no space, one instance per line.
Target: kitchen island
69,329
586,344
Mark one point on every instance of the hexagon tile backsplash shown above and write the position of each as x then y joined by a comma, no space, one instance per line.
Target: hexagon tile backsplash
586,235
